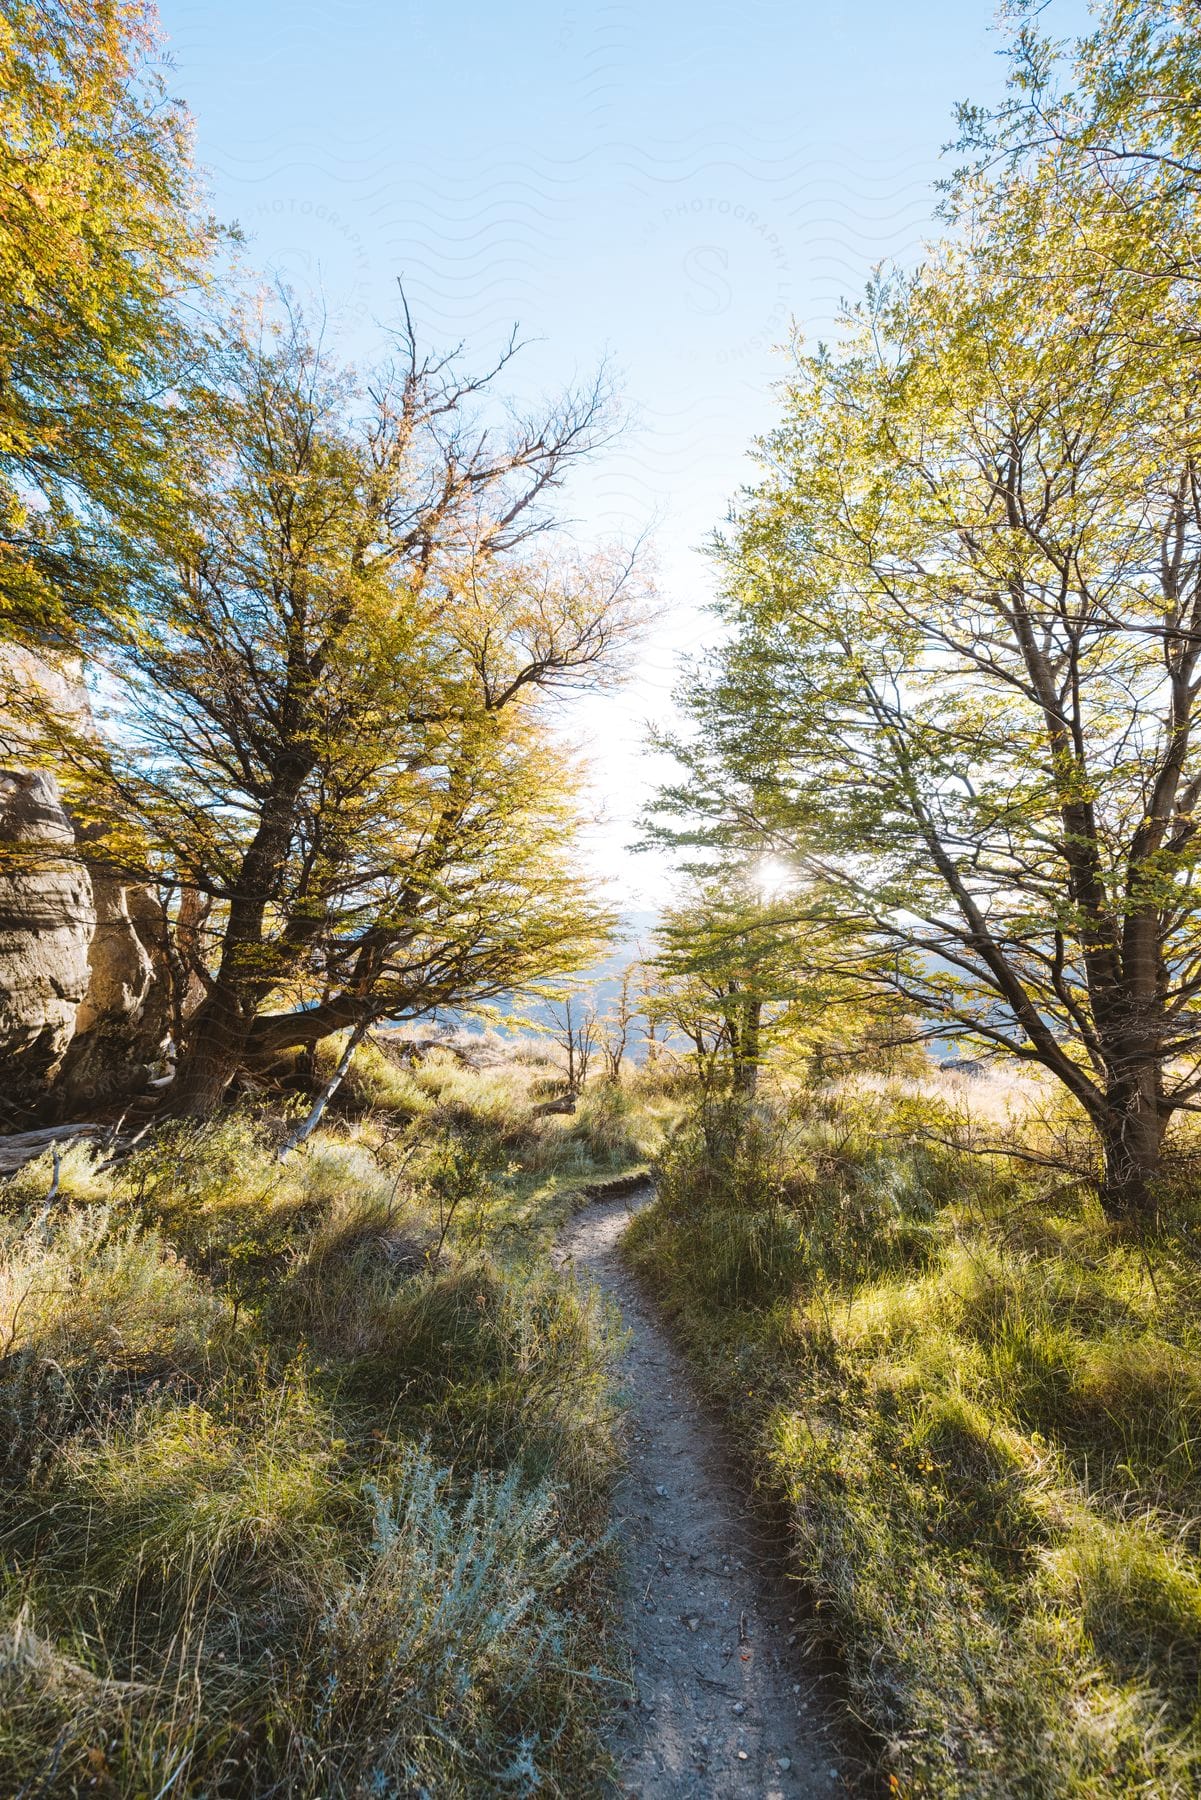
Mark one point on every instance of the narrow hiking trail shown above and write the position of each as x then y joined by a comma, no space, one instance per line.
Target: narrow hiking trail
723,1705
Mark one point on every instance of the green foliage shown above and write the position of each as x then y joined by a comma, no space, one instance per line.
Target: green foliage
494,1368
98,241
756,967
614,1128
321,721
610,1125
229,1208
980,1407
100,1285
461,1598
373,1082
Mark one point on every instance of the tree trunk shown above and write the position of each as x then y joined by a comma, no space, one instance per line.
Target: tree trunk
218,1033
745,1046
1131,1139
217,1040
271,1034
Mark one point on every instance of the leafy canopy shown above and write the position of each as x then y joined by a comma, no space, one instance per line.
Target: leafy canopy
961,684
322,724
99,245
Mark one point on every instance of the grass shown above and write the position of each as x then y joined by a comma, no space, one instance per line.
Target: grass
305,1467
981,1409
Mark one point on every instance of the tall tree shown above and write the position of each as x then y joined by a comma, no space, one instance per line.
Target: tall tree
99,242
325,719
962,685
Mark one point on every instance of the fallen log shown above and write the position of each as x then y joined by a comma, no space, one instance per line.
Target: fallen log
21,1147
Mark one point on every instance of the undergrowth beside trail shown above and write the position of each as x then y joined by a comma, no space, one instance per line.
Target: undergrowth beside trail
304,1468
981,1407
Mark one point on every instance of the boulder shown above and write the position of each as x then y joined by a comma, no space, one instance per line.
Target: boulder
123,1018
47,919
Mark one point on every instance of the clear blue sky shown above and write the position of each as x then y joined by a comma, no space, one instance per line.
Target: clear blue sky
667,185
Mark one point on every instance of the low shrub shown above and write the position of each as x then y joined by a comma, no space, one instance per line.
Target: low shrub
460,1598
291,1636
94,1286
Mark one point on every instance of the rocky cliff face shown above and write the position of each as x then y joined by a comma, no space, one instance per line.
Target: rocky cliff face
47,921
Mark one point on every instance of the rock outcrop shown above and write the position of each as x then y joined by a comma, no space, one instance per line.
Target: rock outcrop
123,1018
84,981
47,921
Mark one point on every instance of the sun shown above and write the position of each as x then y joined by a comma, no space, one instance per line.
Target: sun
773,877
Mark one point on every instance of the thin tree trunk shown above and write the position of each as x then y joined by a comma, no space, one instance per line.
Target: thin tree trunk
746,1049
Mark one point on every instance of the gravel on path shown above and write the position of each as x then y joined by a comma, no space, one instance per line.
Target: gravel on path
724,1705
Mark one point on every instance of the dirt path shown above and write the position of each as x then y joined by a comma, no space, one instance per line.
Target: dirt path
724,1707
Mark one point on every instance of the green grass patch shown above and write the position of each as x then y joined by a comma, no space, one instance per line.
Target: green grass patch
980,1408
305,1467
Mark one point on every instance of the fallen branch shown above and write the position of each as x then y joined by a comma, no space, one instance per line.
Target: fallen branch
309,1125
